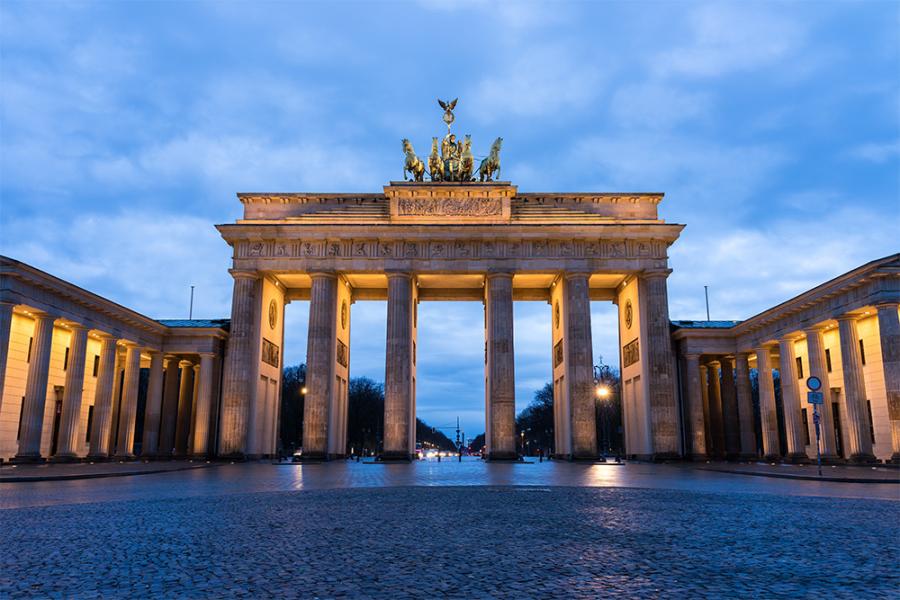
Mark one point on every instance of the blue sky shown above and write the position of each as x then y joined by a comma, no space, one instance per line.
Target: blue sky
126,129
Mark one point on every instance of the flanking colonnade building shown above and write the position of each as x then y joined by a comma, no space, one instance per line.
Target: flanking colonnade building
72,361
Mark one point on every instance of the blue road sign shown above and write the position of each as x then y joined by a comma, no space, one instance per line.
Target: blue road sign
815,397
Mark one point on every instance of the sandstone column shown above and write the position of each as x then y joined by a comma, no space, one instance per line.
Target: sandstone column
320,359
150,442
116,405
103,399
204,402
745,407
71,407
660,365
730,417
6,312
128,410
889,330
768,417
704,398
697,428
717,435
185,400
500,367
790,402
36,390
169,418
580,365
240,355
815,350
398,368
854,391
192,417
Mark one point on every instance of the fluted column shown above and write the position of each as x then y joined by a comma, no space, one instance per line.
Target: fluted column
116,405
398,373
169,420
768,415
815,351
660,365
128,409
854,392
185,400
889,331
790,402
704,399
730,418
67,449
239,357
6,312
204,402
717,430
580,365
192,417
36,390
153,408
745,407
696,425
103,399
500,367
320,360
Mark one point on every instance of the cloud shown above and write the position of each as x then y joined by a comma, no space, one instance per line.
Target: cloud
731,37
657,106
543,80
146,261
876,152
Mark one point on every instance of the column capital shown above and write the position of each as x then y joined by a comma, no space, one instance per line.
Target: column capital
726,359
655,273
499,274
185,363
206,354
714,363
239,274
812,329
847,317
703,367
887,305
567,275
322,275
129,344
77,326
394,274
196,367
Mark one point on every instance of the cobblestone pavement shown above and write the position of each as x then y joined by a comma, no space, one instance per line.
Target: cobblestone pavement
399,542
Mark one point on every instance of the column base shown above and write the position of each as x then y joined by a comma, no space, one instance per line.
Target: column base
394,457
863,459
772,458
64,458
503,457
797,458
125,457
831,459
27,459
665,456
97,458
894,459
748,457
698,457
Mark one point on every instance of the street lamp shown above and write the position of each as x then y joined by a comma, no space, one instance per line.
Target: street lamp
602,392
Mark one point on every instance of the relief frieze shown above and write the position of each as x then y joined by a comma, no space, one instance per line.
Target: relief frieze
452,249
458,207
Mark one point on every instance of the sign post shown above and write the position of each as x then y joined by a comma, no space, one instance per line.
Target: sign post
815,397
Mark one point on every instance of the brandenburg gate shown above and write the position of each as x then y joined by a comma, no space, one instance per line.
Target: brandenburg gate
451,238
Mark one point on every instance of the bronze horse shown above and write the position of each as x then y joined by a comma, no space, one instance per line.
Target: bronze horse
413,164
491,165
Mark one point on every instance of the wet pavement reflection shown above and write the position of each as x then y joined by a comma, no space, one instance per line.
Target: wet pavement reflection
265,477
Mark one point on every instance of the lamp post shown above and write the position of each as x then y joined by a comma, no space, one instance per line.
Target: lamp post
603,393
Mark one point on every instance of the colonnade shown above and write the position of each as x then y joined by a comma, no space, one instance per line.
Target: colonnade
176,419
323,432
720,412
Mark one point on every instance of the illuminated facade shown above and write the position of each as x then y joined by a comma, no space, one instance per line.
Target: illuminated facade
844,332
72,362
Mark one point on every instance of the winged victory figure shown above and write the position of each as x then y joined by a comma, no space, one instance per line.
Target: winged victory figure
448,111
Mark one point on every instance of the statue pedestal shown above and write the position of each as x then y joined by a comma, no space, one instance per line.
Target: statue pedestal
459,202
